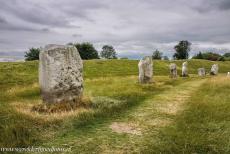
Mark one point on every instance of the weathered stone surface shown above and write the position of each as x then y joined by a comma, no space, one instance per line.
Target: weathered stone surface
185,69
145,66
228,74
60,74
214,69
173,70
201,72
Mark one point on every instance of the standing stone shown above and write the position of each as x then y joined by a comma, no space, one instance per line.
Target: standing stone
185,69
201,72
60,74
173,70
145,69
214,69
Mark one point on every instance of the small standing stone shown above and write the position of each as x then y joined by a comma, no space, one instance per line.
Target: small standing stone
173,70
214,69
228,75
145,66
60,74
185,69
201,72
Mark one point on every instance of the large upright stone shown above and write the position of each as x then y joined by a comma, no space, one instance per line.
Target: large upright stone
185,69
214,69
145,66
201,72
60,74
173,70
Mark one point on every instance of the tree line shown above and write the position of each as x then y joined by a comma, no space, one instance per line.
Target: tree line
182,52
87,51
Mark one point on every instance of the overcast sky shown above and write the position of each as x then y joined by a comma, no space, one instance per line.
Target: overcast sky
134,27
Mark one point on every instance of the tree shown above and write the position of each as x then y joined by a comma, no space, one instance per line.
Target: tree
198,56
87,50
182,50
209,56
157,55
165,57
227,56
108,52
32,54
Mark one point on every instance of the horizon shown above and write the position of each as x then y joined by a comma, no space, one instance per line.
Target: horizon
20,56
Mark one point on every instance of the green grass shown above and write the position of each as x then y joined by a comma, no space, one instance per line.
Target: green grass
187,115
204,126
98,68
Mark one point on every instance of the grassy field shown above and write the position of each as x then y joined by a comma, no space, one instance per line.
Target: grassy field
186,115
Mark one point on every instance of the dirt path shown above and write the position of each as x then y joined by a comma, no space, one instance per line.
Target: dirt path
132,131
157,112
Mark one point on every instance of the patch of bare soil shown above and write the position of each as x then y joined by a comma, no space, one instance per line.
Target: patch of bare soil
174,106
159,122
122,127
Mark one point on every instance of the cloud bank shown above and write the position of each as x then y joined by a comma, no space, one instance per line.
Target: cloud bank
135,28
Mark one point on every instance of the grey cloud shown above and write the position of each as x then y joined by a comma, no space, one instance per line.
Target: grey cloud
77,35
224,5
45,29
2,20
33,13
79,8
13,27
212,5
134,28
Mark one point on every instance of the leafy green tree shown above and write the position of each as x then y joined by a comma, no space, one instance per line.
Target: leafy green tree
182,50
198,56
157,54
87,50
32,54
209,56
165,58
227,54
124,58
222,58
108,52
212,56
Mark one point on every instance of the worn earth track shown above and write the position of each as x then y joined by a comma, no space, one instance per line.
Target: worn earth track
130,132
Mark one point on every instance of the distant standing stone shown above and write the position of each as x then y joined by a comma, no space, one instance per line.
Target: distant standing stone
60,74
185,69
173,70
214,69
145,66
228,74
201,72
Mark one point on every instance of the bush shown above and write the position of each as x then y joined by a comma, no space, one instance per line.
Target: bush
209,56
157,55
87,50
182,50
165,58
108,52
32,54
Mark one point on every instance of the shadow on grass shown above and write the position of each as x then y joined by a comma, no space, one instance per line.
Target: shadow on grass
125,102
21,131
